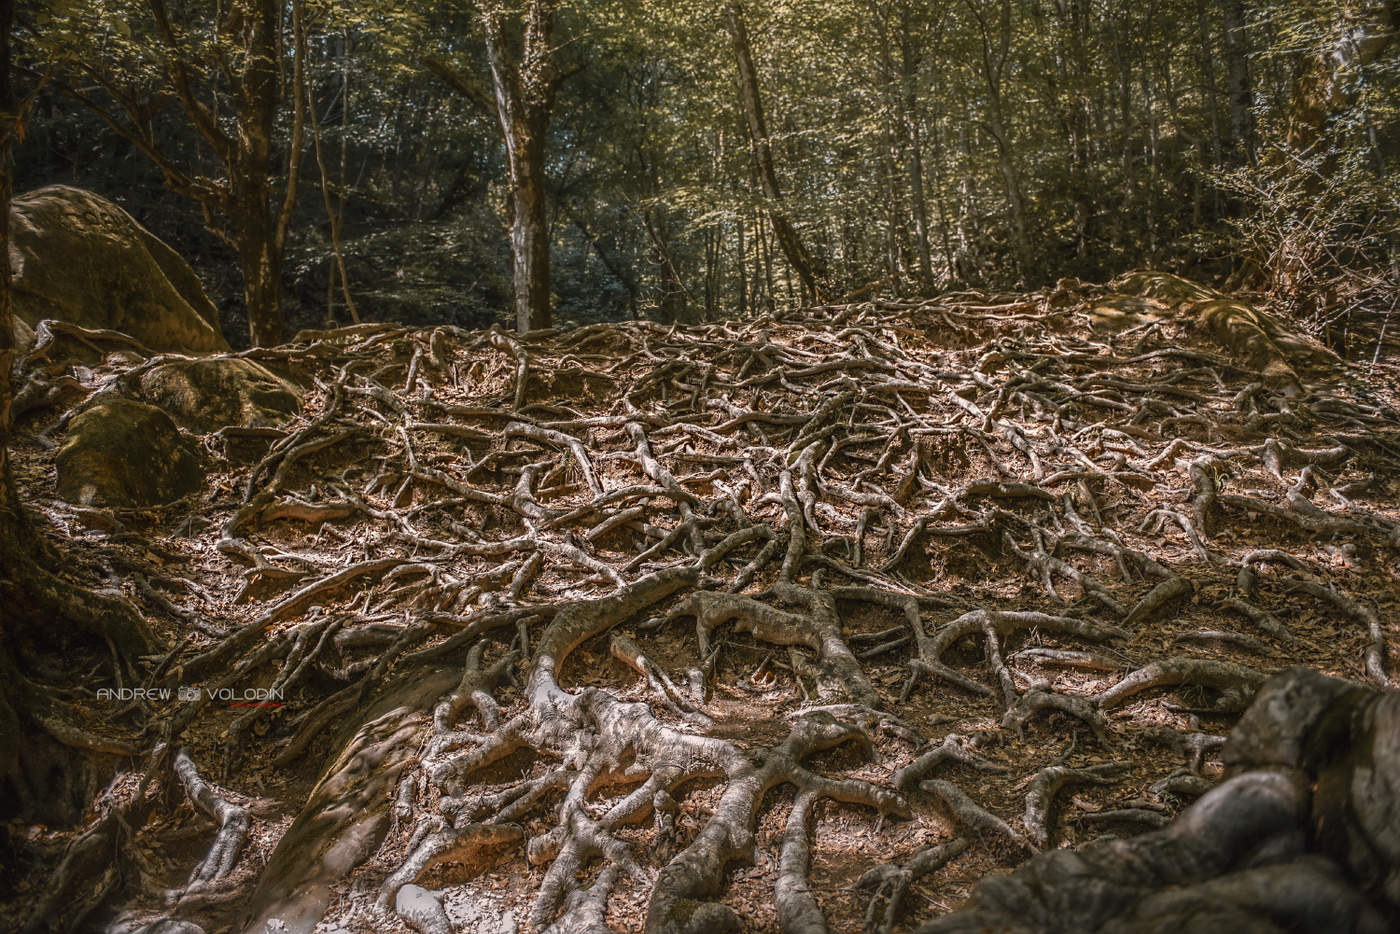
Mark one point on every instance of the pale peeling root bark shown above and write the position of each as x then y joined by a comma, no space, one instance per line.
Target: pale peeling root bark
346,816
596,736
1300,839
421,910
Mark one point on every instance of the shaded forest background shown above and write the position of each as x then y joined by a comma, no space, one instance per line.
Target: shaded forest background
915,146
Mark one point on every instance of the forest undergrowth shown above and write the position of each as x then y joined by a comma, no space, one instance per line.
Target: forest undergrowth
797,622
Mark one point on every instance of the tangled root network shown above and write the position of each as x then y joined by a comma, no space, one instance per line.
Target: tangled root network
799,623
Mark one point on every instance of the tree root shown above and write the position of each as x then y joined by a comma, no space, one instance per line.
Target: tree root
232,819
972,815
680,902
862,502
1039,697
421,910
1295,840
1235,682
891,882
954,748
1047,783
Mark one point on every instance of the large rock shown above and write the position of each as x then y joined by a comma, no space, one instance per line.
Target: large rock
119,452
206,395
79,258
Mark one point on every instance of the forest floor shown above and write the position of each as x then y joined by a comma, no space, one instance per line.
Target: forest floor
696,627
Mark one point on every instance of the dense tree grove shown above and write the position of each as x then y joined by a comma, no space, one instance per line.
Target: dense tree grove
385,159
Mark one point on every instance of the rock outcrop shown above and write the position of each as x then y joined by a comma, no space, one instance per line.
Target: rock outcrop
123,453
206,395
79,258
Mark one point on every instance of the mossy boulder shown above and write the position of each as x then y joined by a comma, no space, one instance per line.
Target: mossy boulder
119,452
79,258
206,395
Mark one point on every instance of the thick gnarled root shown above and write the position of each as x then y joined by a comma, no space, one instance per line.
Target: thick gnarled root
232,819
1300,838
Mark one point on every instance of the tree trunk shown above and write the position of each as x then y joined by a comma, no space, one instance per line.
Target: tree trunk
1240,87
672,301
791,244
941,199
524,94
992,64
529,234
250,196
261,265
908,107
741,291
1324,85
614,264
1208,72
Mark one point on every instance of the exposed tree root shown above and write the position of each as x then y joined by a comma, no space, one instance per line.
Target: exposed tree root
1236,683
971,814
232,820
1047,783
891,882
1259,852
458,594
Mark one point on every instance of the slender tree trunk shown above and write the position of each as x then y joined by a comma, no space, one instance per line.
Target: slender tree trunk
1208,72
992,65
742,285
255,228
941,198
908,116
765,257
894,217
609,258
1075,76
338,218
672,303
791,244
966,264
1238,83
711,273
335,213
524,93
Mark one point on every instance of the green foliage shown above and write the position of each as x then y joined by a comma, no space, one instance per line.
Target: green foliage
1112,122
